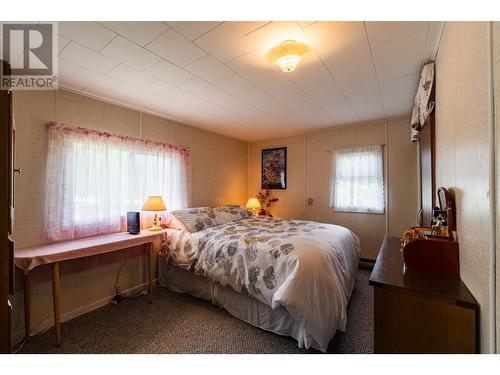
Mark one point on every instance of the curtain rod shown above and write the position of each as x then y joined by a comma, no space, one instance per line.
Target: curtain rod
345,148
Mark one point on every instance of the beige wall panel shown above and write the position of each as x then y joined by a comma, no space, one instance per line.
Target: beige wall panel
34,111
229,171
78,110
402,177
371,229
372,134
119,120
462,145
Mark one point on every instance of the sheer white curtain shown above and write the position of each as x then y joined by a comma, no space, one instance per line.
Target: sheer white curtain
357,179
94,178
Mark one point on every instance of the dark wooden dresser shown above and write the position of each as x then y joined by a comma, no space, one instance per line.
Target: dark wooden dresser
419,312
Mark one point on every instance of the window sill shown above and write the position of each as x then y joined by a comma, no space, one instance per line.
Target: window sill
358,211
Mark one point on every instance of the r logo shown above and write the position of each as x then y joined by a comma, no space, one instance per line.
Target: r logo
28,48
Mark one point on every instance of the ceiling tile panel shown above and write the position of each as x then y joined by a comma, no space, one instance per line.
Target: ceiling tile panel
242,88
169,73
320,90
339,109
62,42
173,47
311,72
367,107
141,33
408,83
435,29
128,53
381,33
368,86
398,69
225,42
88,58
72,83
258,70
332,36
209,69
97,80
398,103
131,76
130,94
214,95
350,63
88,34
411,47
67,68
163,89
193,30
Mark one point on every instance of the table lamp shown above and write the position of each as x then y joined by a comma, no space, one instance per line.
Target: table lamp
155,203
254,204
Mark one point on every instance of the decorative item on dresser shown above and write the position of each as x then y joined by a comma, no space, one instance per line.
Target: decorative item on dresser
265,200
420,303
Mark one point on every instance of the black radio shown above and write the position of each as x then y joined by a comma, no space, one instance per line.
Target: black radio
134,222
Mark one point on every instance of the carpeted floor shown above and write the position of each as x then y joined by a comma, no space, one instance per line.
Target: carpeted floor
178,323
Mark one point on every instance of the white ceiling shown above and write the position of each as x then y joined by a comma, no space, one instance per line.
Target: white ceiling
215,76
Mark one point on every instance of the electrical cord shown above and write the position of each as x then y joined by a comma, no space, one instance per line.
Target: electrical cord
23,340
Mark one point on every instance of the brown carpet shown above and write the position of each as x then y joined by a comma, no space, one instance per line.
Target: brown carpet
178,323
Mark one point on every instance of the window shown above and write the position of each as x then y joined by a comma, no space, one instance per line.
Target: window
94,178
357,180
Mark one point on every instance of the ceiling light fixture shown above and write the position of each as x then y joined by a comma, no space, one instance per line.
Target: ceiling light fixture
288,54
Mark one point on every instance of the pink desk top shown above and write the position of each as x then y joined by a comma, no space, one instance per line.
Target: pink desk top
27,259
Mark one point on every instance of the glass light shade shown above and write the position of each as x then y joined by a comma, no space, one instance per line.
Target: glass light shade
253,203
154,203
288,63
288,54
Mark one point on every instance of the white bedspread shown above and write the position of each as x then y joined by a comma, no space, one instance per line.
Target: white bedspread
304,266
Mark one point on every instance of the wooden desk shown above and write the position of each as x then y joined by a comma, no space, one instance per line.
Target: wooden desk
418,312
54,254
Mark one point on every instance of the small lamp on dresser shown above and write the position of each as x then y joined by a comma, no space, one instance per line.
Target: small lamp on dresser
155,203
254,204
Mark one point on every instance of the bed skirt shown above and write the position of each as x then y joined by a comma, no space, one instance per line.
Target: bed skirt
239,305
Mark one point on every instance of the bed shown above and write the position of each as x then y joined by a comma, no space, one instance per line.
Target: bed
291,277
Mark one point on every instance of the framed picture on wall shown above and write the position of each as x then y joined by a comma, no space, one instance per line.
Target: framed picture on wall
274,168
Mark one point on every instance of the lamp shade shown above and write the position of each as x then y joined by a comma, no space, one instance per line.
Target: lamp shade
154,203
253,203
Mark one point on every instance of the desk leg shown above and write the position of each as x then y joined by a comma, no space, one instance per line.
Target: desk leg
27,305
56,297
150,272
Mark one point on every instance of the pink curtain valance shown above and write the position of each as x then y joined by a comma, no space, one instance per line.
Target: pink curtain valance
131,140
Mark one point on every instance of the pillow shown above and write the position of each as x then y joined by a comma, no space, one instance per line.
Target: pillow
230,212
172,222
194,219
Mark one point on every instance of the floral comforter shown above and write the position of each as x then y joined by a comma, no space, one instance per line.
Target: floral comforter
306,267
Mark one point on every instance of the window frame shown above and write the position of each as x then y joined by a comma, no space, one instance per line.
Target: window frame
333,182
